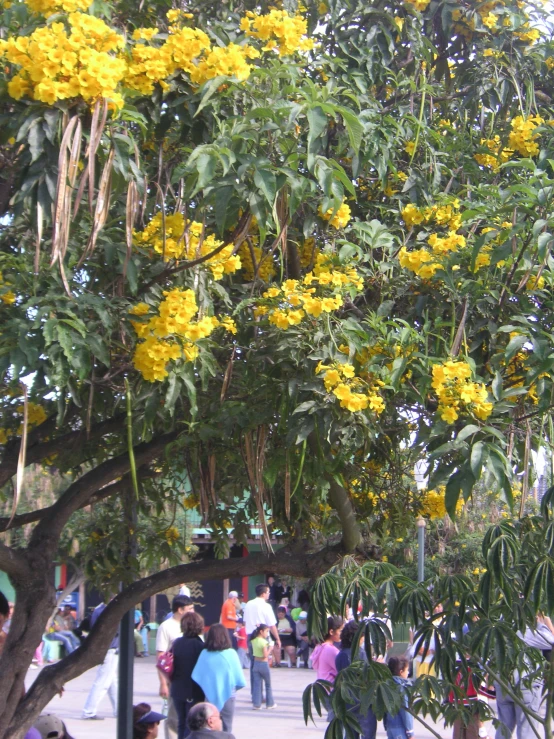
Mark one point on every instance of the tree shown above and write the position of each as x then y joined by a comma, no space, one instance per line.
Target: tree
475,629
274,254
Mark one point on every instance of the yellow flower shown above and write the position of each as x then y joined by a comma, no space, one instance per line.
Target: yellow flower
409,147
338,218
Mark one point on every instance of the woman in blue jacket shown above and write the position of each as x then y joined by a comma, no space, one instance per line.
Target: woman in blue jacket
400,726
219,674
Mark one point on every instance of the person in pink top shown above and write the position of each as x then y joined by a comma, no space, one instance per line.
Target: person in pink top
323,656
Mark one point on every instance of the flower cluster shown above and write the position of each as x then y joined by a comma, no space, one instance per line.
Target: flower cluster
7,296
457,393
35,416
264,267
229,61
171,333
337,218
495,154
420,5
422,261
288,305
185,240
432,503
279,30
308,253
149,64
523,137
353,393
47,7
56,65
446,214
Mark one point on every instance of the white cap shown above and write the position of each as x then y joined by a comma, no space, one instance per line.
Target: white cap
233,594
302,614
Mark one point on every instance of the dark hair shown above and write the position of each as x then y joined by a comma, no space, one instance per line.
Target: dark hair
140,731
304,599
261,589
398,664
192,624
282,608
66,733
348,634
333,623
180,601
258,630
218,638
198,716
4,605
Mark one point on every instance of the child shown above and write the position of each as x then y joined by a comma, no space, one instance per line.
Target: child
260,668
400,726
242,644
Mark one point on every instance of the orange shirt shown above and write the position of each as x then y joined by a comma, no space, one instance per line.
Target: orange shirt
228,609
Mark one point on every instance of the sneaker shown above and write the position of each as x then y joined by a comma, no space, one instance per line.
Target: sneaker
33,667
256,708
270,708
92,718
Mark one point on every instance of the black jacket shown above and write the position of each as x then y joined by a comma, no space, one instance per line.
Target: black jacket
209,734
186,651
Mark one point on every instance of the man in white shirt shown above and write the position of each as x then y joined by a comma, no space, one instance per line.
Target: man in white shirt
258,611
168,631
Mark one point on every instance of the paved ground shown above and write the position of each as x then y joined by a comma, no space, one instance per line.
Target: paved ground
285,721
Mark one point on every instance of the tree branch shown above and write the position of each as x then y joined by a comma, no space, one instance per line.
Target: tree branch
13,562
292,561
79,494
340,500
33,516
37,450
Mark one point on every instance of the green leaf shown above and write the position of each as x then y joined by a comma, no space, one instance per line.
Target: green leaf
354,128
206,165
265,181
477,458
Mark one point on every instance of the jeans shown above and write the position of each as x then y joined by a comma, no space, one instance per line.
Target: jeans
260,673
243,657
171,724
106,681
227,713
513,717
182,708
63,637
251,658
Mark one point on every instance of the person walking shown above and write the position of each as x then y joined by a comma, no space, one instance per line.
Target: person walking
325,654
260,668
512,717
185,692
368,721
287,633
219,674
302,638
229,616
170,630
205,723
106,680
258,611
401,725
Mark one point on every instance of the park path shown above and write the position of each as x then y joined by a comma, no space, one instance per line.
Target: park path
286,721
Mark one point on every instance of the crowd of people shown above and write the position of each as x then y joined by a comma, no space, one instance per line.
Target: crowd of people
201,669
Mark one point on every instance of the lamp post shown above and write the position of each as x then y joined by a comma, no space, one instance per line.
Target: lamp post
421,524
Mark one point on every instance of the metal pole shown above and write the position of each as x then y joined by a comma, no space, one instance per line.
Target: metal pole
421,549
126,665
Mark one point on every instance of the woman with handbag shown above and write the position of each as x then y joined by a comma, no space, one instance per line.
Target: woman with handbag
186,650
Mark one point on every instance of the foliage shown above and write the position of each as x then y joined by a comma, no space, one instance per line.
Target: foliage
313,241
475,626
